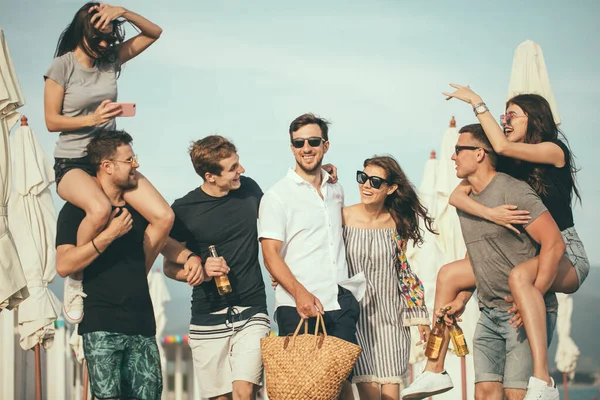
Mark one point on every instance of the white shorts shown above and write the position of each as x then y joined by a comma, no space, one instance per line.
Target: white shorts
228,352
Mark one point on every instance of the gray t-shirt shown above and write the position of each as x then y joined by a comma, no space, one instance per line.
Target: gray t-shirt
495,250
85,88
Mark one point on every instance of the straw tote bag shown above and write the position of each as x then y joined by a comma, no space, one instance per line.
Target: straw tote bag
308,366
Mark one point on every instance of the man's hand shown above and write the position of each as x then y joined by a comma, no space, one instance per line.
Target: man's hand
308,305
119,225
274,282
424,334
194,273
516,321
455,309
215,266
332,171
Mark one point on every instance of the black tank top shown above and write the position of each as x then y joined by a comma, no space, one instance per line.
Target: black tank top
559,190
558,184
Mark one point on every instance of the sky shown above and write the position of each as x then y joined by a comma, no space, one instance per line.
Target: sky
375,69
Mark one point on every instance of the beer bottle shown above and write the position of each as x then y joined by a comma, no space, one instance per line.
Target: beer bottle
458,339
222,282
436,337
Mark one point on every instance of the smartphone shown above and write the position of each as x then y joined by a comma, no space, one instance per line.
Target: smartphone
127,109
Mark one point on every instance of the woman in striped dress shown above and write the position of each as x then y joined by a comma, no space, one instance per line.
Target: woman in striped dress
376,232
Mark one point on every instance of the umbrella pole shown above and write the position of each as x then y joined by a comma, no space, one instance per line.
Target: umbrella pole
85,380
565,386
38,372
410,372
463,373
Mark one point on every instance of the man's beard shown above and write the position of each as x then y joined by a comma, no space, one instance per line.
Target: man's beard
313,169
128,184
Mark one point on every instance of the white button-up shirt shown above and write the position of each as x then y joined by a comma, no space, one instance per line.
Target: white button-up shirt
310,228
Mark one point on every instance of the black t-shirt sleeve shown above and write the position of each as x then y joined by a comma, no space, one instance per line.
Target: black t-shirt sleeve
69,219
179,231
254,189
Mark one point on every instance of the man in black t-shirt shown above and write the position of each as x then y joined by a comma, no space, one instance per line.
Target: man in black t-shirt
118,325
225,330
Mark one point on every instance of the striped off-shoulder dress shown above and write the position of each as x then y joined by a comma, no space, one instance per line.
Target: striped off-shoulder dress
386,312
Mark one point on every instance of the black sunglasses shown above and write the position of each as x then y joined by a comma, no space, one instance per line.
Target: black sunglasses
312,142
375,181
457,149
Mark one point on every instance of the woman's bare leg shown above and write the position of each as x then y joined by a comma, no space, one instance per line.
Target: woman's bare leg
451,280
368,390
390,391
532,308
146,200
82,190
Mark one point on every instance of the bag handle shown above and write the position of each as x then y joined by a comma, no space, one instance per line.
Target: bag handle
320,323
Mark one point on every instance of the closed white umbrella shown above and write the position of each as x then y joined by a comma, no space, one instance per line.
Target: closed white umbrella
529,75
160,295
8,334
567,351
56,364
33,223
13,286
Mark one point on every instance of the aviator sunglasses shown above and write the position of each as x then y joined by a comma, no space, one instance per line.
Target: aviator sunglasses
375,181
298,143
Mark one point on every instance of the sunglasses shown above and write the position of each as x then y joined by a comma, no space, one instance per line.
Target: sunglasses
507,118
312,142
375,181
458,149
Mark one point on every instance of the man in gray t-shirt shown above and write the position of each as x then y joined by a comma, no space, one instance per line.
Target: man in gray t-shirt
501,353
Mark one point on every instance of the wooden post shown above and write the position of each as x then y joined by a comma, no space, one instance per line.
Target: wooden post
38,371
565,386
85,381
411,372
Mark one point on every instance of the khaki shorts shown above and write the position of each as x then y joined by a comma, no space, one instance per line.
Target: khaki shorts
228,352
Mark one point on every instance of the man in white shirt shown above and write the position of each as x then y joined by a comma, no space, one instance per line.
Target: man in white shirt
300,229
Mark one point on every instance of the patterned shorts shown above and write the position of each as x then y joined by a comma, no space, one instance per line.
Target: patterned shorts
123,366
575,252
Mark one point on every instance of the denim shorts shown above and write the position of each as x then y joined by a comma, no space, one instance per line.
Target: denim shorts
575,252
502,353
123,366
64,165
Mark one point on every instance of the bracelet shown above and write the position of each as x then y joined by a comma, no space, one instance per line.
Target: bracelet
194,255
94,244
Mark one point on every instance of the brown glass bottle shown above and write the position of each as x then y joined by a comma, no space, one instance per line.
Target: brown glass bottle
458,339
222,282
436,337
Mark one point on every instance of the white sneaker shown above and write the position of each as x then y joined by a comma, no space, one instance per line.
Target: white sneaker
73,300
427,384
538,389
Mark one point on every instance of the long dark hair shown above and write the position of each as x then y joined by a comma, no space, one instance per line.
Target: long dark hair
542,128
81,32
403,205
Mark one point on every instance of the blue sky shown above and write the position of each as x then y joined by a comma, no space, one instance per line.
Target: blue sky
375,69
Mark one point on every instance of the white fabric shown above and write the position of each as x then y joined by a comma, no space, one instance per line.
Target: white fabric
13,286
33,224
567,351
76,343
7,354
311,231
529,75
159,295
426,259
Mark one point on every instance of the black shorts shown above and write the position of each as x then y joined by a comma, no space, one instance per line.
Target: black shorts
339,323
64,165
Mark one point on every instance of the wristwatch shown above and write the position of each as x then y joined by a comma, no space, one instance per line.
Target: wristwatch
480,109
